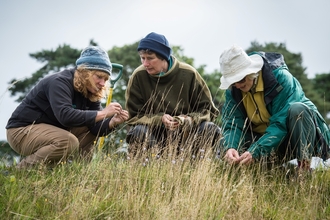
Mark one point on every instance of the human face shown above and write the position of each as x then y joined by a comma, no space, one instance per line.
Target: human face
152,63
245,84
98,80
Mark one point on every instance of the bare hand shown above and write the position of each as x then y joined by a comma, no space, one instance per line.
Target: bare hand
118,118
232,156
169,122
246,158
112,109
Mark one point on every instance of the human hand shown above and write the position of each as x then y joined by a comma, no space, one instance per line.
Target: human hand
232,156
112,109
246,158
169,122
118,118
183,119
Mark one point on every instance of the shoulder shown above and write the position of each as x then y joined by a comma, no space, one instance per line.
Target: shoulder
137,76
140,70
66,74
283,75
274,60
183,66
63,79
188,71
184,69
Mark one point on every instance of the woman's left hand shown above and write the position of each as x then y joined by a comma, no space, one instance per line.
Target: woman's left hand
118,118
246,158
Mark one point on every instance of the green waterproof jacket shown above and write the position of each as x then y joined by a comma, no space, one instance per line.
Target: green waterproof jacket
281,89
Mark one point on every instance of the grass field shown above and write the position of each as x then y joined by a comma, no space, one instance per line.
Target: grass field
112,187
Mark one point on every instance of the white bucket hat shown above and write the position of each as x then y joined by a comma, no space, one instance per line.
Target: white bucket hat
235,64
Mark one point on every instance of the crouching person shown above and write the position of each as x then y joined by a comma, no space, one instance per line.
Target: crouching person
62,114
169,103
267,111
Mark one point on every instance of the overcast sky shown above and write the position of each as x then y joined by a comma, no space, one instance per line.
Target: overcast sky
203,28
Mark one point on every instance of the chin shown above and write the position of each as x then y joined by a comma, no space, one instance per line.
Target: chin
244,89
94,91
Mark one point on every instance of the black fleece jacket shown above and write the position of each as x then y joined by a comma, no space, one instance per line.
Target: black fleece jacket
54,101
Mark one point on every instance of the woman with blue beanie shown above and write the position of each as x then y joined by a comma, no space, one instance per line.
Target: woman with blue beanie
168,101
63,114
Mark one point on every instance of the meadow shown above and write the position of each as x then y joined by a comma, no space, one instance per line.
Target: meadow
114,187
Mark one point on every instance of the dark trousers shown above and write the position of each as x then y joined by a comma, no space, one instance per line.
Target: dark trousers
302,140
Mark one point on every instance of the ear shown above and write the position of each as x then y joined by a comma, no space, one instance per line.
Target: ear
165,66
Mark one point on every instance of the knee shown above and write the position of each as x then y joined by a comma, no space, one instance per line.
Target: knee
296,109
136,134
300,118
70,144
209,128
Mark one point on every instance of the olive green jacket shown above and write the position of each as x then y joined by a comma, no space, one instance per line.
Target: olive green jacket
180,91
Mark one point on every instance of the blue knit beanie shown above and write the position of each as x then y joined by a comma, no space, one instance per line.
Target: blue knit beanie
156,43
95,58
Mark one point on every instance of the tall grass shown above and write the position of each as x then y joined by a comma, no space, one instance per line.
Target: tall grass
111,187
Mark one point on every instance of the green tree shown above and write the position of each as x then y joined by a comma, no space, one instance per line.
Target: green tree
53,60
321,85
128,57
213,82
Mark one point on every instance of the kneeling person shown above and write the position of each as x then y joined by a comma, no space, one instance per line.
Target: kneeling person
165,96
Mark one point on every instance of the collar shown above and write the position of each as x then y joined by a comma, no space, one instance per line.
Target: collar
258,84
170,64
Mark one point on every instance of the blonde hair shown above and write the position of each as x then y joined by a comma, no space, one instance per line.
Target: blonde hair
83,79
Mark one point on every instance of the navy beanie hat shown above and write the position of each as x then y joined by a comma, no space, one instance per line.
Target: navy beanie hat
156,43
95,58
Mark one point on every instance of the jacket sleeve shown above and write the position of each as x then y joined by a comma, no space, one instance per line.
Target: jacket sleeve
60,98
232,124
203,108
100,128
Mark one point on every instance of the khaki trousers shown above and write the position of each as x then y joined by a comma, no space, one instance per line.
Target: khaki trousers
48,143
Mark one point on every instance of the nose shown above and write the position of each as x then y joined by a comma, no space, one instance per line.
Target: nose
101,82
145,63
